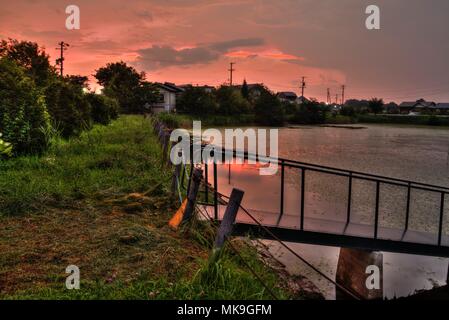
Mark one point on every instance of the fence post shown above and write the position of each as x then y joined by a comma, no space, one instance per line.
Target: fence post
166,141
193,191
229,218
175,178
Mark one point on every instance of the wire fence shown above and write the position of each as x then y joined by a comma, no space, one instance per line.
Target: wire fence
186,173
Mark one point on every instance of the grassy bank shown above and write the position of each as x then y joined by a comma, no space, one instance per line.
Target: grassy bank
101,202
185,120
425,120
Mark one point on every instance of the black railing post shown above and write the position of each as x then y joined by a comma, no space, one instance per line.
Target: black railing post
407,212
440,231
376,217
206,181
303,193
215,191
348,216
282,192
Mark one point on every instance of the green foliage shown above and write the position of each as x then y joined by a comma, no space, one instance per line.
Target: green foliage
104,109
245,90
125,84
269,110
196,101
23,113
5,148
29,56
348,111
311,112
69,108
376,105
231,101
123,156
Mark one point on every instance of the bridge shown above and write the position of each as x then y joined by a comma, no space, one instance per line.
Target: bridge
303,227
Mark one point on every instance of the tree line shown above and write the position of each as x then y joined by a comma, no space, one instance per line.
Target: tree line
259,101
37,105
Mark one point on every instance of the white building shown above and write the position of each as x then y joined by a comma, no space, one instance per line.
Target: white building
168,93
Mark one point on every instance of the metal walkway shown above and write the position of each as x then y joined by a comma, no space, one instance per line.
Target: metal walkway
303,228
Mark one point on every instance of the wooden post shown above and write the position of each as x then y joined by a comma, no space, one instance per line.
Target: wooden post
193,191
166,141
176,177
229,218
352,273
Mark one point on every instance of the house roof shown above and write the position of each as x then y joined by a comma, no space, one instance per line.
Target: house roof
442,105
171,87
287,94
408,104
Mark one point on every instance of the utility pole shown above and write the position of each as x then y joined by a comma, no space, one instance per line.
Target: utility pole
343,94
336,98
303,86
60,61
231,70
328,100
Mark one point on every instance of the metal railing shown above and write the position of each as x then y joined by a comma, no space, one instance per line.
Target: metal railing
351,175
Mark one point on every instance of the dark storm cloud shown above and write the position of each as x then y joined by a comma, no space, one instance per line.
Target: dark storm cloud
164,56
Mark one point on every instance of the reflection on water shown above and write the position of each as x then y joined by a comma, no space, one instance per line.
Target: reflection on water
419,154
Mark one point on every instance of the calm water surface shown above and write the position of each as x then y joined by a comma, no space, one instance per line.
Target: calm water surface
418,154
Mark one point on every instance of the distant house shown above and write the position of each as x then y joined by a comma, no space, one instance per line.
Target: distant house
206,88
416,106
254,90
301,100
167,97
442,107
287,96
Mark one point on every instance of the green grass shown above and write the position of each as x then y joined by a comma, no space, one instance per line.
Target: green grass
101,202
185,120
122,156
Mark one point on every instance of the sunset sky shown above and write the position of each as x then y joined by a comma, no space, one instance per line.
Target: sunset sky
273,42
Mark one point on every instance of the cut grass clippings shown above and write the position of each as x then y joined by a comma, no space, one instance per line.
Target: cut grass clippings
101,202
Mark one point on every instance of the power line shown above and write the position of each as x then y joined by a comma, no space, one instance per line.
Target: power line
60,61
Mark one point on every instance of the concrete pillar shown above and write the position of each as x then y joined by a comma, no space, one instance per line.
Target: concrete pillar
361,272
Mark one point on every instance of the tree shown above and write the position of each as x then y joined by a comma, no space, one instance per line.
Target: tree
31,57
103,108
78,80
231,101
245,90
68,106
195,100
24,119
268,109
376,105
125,84
311,112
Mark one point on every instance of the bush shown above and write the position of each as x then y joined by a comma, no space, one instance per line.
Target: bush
5,148
269,111
23,113
231,101
311,112
68,107
103,109
197,101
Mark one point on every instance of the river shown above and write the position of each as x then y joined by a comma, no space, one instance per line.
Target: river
414,153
